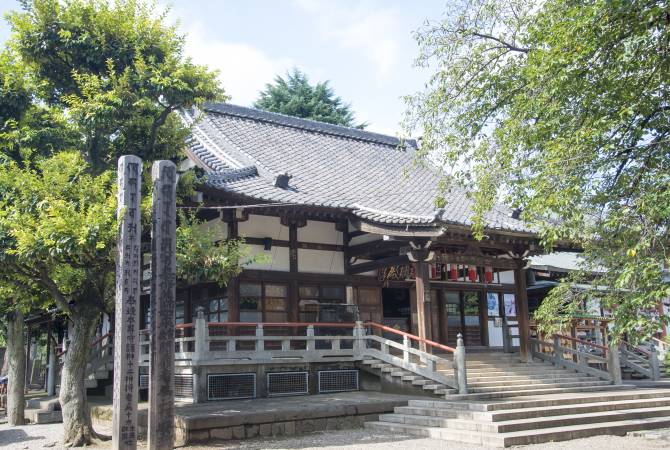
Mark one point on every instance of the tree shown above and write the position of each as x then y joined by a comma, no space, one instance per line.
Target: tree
100,80
294,96
561,109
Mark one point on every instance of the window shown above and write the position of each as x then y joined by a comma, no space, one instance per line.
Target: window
214,302
260,302
313,296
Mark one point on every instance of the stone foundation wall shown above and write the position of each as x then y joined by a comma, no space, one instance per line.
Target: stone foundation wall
288,428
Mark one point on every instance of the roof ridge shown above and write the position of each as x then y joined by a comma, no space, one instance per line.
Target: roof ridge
307,124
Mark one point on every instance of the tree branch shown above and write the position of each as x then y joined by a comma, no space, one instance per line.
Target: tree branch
507,45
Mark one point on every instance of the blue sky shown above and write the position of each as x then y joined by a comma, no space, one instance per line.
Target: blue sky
365,48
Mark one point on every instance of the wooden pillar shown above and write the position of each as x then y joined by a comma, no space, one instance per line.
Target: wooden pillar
161,432
293,306
420,256
234,282
522,310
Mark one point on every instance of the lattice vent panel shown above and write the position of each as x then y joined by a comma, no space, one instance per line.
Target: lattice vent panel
183,385
338,380
288,383
231,385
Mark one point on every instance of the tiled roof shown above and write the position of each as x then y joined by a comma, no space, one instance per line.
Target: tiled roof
373,176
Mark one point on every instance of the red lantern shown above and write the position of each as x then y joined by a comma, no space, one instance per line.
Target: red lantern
453,272
488,274
472,273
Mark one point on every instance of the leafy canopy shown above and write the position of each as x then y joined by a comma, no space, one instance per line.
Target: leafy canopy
294,96
84,82
561,108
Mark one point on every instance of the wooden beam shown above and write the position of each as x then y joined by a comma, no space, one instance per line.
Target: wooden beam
303,245
522,310
374,248
496,263
374,265
311,278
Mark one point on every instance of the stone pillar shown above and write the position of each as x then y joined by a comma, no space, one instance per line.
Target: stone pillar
613,363
128,276
51,372
163,282
522,310
461,366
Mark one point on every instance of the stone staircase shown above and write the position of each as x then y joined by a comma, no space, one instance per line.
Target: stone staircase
496,375
532,419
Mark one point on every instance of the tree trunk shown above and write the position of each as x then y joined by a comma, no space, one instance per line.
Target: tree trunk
5,364
78,429
16,383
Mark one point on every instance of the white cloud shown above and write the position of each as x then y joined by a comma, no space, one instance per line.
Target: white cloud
243,69
366,28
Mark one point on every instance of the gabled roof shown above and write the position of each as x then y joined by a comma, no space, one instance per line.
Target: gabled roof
276,158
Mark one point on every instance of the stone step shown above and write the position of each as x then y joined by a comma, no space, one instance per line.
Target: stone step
467,437
543,391
510,378
566,378
584,408
411,377
612,394
422,382
433,387
44,403
525,437
542,385
41,416
486,426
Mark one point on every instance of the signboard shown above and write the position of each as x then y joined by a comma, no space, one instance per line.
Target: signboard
492,304
510,305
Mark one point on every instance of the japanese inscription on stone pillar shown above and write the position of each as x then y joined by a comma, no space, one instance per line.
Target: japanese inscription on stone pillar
126,339
163,281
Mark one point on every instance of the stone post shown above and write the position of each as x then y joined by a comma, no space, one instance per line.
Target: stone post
558,352
613,363
311,343
260,343
460,366
51,372
163,280
654,364
359,339
128,276
406,344
200,333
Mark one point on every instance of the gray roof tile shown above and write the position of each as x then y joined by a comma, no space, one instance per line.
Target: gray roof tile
371,175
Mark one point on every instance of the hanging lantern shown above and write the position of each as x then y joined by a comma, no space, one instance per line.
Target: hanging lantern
453,272
472,273
433,271
488,274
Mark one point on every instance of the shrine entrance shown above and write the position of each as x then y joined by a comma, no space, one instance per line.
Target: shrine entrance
397,310
462,313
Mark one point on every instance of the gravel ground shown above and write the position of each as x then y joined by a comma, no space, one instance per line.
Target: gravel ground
33,437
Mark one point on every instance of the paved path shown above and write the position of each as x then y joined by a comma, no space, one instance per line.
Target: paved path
34,437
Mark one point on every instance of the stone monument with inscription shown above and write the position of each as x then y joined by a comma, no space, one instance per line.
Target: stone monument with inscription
126,340
163,284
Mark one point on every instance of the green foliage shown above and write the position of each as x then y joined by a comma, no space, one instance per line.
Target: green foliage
294,96
560,108
59,227
117,69
201,258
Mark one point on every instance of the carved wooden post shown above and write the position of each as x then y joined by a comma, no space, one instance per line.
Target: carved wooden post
163,280
128,266
421,256
460,363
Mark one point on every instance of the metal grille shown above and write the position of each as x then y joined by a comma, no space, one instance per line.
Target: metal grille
225,386
183,385
338,380
288,383
144,381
